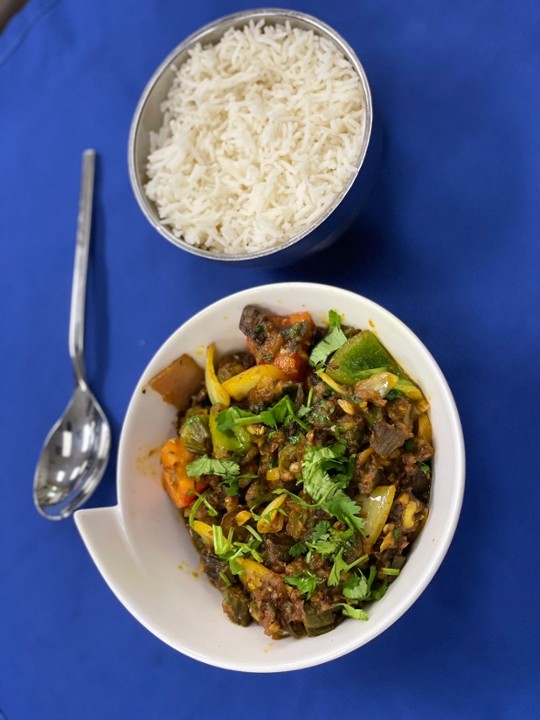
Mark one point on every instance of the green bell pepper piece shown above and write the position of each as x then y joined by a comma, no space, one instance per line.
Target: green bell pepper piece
237,440
362,353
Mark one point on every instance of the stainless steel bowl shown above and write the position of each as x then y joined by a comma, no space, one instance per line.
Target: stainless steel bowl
148,117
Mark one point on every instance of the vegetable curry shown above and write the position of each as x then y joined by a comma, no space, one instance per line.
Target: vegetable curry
302,467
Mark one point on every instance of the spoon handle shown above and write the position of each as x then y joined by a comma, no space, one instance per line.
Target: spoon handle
80,270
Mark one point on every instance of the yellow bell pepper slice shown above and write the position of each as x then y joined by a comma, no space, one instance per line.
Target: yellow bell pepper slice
336,387
242,517
238,386
424,428
204,530
217,394
252,572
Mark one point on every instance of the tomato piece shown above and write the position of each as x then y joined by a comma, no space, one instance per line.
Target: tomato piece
297,331
280,340
175,458
291,364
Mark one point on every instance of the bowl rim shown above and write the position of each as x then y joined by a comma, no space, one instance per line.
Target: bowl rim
403,603
280,15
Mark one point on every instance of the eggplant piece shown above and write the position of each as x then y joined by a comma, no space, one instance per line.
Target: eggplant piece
256,325
318,623
276,551
236,606
195,432
386,438
421,484
295,629
215,568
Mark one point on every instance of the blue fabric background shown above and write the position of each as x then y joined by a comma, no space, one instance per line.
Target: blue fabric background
449,242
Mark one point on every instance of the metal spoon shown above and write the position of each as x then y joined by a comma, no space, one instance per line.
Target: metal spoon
76,450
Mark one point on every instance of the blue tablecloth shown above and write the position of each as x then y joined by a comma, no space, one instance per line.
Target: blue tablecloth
449,242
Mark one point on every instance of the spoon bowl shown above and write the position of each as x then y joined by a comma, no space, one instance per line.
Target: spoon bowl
76,451
74,457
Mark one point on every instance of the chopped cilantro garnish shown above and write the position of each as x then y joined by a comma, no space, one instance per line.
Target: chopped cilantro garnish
235,567
305,582
390,571
222,545
326,488
253,532
242,549
297,549
320,532
228,549
358,587
306,409
281,413
424,467
321,540
333,340
211,466
340,567
227,469
352,612
379,591
201,499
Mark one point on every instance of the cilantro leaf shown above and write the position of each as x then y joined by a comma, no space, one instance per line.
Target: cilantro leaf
305,582
345,509
327,489
227,469
320,532
352,612
333,340
222,545
280,413
390,571
378,592
228,419
242,549
340,567
211,466
227,549
358,587
297,549
201,499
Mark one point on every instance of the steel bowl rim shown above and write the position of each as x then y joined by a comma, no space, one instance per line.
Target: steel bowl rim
280,14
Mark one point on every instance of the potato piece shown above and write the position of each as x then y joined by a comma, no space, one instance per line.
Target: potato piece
178,381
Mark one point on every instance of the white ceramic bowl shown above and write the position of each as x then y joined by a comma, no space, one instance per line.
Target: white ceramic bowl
144,552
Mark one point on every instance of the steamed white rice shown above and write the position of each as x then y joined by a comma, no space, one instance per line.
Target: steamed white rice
260,132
